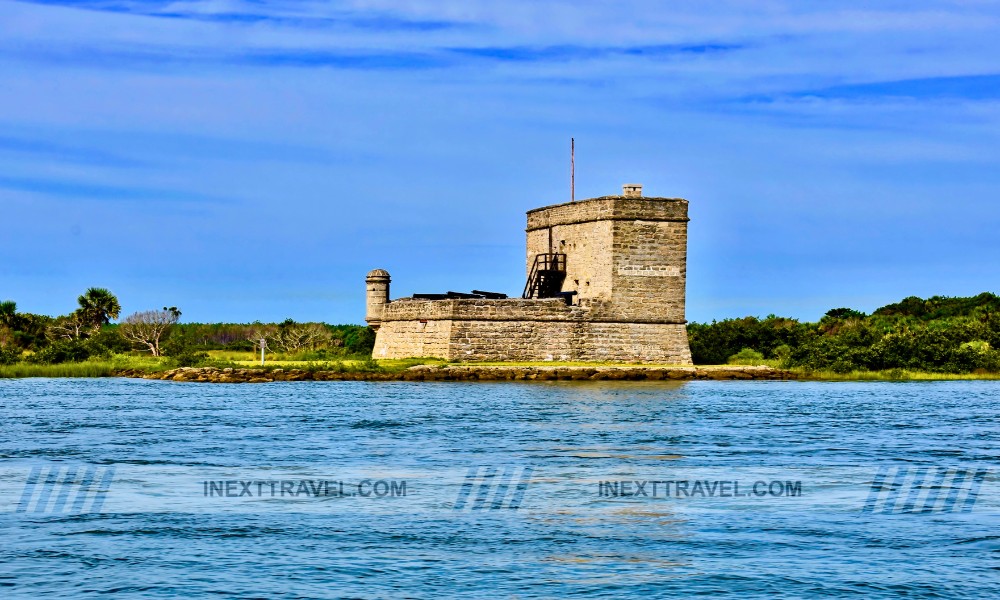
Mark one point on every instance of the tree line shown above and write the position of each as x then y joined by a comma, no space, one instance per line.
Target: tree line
89,331
937,334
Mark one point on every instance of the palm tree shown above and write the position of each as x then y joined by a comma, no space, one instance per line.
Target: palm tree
99,306
8,313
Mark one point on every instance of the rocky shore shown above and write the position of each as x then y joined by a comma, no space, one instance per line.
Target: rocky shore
466,373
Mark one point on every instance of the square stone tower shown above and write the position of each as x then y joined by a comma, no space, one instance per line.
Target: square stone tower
625,256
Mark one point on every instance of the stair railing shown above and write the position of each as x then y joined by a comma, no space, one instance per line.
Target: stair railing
544,265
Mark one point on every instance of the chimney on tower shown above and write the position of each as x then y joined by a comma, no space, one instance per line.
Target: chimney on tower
632,190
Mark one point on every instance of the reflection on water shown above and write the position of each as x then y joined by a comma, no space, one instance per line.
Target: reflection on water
558,543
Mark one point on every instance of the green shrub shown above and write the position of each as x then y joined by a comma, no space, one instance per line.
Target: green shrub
941,335
897,374
845,313
189,358
10,355
746,356
181,352
842,366
368,365
359,340
107,341
976,345
61,351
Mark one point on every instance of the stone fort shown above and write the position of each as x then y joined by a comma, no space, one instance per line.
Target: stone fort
605,282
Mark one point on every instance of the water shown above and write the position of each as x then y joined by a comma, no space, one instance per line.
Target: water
563,539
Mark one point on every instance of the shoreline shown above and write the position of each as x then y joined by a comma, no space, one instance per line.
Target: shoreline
438,371
469,373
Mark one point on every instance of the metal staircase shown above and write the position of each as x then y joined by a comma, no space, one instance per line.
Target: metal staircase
546,278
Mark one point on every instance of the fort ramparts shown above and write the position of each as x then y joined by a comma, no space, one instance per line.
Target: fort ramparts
605,282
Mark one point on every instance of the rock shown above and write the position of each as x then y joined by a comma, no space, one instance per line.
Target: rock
469,373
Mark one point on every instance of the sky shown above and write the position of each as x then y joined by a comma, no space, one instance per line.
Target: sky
249,160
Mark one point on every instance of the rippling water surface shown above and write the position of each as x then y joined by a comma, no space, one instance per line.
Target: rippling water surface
564,539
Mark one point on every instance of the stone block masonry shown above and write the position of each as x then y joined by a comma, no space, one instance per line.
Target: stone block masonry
625,257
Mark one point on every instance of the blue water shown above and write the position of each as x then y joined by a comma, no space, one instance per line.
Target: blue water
560,545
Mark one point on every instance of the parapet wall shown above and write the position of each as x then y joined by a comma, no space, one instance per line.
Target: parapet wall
608,208
512,309
522,330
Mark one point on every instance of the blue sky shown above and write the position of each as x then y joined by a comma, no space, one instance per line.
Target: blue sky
249,160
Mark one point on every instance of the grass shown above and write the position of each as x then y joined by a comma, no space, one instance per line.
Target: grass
352,365
892,375
140,362
107,367
774,363
104,367
865,375
233,355
394,365
246,358
88,368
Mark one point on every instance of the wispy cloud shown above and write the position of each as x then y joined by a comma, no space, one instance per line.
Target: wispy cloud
78,190
376,61
577,52
128,150
966,87
35,148
147,56
363,20
886,105
153,57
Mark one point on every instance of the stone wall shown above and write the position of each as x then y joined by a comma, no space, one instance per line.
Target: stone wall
589,261
569,341
511,309
405,339
523,330
649,270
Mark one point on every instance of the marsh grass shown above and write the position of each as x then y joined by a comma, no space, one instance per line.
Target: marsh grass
357,365
118,362
238,356
140,362
893,375
394,365
250,358
80,369
774,363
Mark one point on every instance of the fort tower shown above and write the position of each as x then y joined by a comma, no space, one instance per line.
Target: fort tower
625,256
605,282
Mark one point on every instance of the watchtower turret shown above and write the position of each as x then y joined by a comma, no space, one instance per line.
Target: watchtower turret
376,296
